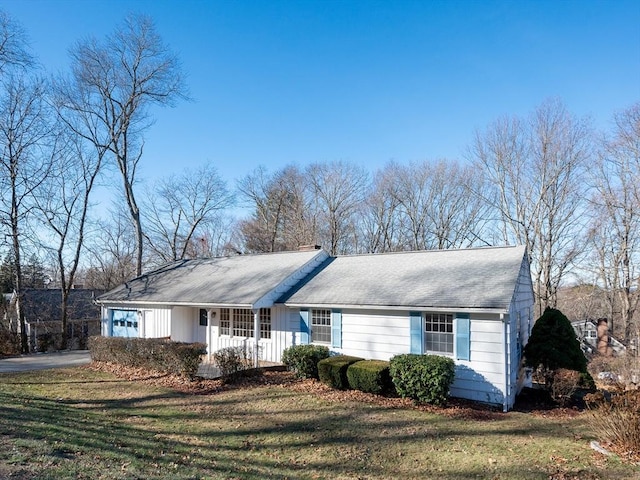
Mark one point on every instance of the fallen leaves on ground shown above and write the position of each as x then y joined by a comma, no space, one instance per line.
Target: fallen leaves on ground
457,408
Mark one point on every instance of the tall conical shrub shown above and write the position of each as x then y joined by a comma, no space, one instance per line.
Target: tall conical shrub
553,344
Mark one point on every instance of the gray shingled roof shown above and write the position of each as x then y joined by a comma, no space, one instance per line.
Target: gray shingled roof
478,278
240,280
41,304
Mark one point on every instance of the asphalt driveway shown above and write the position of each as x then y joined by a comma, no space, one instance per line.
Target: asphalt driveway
43,361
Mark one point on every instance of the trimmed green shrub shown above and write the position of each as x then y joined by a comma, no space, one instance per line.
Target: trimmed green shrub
232,361
333,370
423,378
553,345
303,359
371,376
161,355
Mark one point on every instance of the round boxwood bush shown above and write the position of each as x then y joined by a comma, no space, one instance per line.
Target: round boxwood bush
303,359
423,378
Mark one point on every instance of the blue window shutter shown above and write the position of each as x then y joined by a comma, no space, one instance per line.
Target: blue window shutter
304,327
336,328
463,336
415,325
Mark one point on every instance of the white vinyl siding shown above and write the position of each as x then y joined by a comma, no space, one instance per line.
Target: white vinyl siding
482,378
376,335
380,335
183,321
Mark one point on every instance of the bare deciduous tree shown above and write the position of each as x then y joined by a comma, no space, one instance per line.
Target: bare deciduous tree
111,253
380,222
64,204
281,218
616,228
107,101
435,201
536,169
181,208
13,45
23,161
339,188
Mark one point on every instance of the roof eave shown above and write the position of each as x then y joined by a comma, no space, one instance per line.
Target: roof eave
407,308
131,303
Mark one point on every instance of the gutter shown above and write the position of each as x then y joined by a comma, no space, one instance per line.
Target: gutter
407,308
507,373
127,303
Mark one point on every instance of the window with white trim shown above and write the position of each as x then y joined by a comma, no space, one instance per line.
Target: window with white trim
438,336
224,321
242,322
321,326
265,323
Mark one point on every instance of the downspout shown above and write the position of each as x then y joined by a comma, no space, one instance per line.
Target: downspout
256,335
507,373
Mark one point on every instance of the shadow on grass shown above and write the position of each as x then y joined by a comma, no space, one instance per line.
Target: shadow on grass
276,434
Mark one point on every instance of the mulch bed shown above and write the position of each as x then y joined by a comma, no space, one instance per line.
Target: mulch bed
455,408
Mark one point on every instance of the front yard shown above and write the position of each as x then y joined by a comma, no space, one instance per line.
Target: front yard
88,424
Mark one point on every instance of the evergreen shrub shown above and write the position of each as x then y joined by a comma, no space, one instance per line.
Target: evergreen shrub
553,345
303,359
176,358
423,378
371,376
332,371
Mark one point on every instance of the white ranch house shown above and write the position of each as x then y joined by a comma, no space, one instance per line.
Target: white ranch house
473,305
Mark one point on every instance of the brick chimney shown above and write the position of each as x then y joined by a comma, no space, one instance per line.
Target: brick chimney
602,343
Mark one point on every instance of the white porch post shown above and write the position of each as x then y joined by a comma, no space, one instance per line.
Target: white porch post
256,335
208,335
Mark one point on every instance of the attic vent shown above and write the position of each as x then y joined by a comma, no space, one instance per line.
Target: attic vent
308,248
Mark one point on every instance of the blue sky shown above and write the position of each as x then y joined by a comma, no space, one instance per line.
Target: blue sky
283,81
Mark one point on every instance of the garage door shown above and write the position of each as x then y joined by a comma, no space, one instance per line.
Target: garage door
124,323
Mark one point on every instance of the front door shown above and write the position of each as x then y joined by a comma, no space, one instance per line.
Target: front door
203,324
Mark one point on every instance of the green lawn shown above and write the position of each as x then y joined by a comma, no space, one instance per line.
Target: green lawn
79,423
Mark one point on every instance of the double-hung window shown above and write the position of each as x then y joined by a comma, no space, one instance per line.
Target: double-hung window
321,326
439,336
